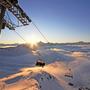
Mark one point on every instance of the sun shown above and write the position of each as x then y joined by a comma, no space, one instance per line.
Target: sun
32,40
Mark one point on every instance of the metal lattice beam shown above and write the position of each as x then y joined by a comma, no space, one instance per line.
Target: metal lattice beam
17,11
21,16
9,25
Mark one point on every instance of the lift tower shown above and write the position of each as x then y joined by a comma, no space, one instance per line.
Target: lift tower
16,10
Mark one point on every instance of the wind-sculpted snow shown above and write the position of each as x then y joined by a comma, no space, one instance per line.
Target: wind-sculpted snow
15,51
67,68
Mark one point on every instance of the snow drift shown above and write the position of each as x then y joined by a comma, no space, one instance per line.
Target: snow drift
67,68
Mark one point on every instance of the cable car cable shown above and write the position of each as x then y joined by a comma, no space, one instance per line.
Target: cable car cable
40,31
34,26
20,36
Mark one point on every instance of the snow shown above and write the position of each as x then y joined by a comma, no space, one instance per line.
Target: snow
67,68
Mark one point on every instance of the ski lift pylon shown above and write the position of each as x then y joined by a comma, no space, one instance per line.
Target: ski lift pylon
16,10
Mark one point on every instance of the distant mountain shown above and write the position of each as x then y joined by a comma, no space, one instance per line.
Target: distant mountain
73,43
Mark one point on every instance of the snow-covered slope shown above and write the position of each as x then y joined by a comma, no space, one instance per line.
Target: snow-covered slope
67,68
15,51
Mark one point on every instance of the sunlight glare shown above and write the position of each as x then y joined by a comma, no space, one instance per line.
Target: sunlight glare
32,40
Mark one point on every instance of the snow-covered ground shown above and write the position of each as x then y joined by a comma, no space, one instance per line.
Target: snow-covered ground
67,68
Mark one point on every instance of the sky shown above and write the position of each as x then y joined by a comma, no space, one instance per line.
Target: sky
59,20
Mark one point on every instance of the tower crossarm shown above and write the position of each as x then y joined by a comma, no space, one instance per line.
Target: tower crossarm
17,11
9,25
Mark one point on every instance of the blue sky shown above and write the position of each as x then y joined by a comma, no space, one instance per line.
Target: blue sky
58,20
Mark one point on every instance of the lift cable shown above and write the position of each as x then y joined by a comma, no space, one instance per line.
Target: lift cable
20,36
14,25
8,16
34,26
15,30
40,32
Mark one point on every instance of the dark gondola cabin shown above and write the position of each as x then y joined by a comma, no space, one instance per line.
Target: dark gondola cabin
40,63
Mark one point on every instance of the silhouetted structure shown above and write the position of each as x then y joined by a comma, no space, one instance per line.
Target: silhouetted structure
40,63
